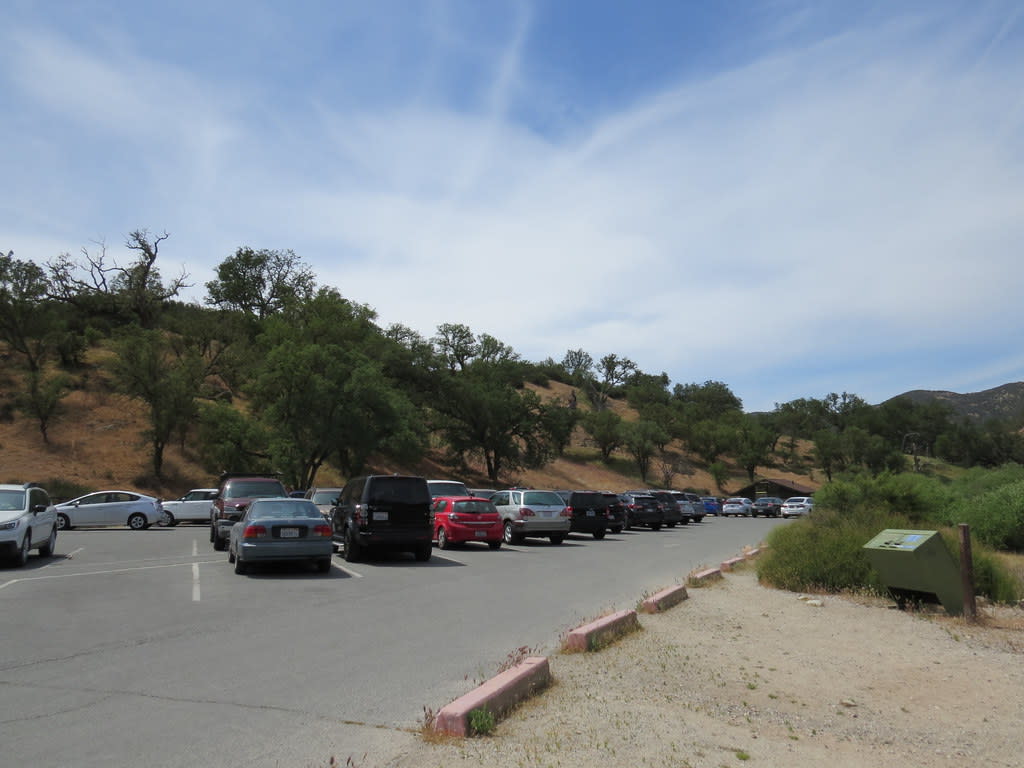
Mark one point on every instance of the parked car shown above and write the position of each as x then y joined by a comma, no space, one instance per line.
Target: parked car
671,511
769,506
27,521
641,509
697,504
280,529
712,506
737,506
193,507
447,488
797,506
482,493
458,519
531,513
616,512
135,510
588,512
379,512
324,498
691,513
234,495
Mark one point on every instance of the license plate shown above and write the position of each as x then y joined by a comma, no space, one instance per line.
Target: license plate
590,513
289,533
380,515
481,534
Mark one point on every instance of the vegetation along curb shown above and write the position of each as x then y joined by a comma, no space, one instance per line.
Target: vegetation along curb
664,599
702,578
731,563
497,696
600,632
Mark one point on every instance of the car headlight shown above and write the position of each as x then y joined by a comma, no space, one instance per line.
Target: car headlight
10,526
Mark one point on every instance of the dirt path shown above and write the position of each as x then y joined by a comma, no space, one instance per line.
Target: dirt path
744,675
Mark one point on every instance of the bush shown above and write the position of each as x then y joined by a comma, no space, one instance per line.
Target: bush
996,517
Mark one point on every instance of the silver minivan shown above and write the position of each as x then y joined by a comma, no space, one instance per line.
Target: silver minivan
532,513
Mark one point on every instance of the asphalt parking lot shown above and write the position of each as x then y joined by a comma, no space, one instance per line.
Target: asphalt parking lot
144,647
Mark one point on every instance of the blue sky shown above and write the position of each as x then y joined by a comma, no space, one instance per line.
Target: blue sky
794,198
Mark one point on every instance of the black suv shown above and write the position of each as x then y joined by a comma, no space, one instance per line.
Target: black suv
588,512
641,509
384,512
233,496
671,509
769,506
616,512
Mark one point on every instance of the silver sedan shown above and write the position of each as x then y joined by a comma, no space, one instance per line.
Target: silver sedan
280,529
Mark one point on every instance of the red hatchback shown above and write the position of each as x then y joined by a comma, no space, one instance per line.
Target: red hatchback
458,519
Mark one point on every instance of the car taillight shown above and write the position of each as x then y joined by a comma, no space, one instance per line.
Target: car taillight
322,530
255,532
526,512
569,510
566,512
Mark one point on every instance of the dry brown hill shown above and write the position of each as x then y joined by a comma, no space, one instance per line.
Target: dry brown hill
99,442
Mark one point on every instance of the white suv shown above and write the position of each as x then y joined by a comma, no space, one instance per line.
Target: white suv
27,521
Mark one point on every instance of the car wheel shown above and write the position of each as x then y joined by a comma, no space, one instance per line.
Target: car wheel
231,555
240,567
63,522
169,520
655,526
442,539
506,533
671,525
21,558
557,538
213,533
219,544
494,544
599,535
616,529
423,552
698,518
51,543
353,551
137,522
323,565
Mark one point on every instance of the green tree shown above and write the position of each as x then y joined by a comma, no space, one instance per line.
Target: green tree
642,439
752,444
605,429
260,282
25,320
43,399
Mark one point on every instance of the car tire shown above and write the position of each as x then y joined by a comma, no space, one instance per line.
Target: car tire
137,522
599,535
655,526
616,529
169,520
557,538
21,556
423,552
698,518
240,567
323,565
671,525
63,522
506,533
231,555
213,533
494,544
219,544
46,550
442,539
353,551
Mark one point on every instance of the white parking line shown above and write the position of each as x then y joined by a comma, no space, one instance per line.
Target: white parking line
349,571
102,573
195,582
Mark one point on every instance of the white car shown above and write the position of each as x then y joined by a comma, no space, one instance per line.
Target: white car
27,521
738,506
135,510
797,506
193,507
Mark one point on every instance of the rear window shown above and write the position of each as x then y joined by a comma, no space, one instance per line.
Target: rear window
447,488
252,489
587,500
475,507
325,497
542,498
398,490
282,508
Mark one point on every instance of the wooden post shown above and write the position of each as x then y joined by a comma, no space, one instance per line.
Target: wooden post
967,573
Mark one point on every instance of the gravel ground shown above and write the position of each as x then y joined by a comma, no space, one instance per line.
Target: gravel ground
740,674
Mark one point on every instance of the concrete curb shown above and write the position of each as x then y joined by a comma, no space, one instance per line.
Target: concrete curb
599,633
702,578
664,599
498,695
731,563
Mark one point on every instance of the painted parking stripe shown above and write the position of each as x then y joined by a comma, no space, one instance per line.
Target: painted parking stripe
349,571
102,573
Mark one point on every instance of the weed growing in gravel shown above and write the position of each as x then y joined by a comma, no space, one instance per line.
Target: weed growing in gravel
481,722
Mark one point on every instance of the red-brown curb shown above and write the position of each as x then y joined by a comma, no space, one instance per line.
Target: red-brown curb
601,632
664,599
498,695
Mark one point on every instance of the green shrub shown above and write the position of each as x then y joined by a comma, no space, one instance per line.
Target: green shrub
481,722
996,516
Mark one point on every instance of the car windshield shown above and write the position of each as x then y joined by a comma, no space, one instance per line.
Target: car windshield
283,509
475,507
325,497
12,500
542,498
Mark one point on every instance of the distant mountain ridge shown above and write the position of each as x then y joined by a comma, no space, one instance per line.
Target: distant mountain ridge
1005,402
